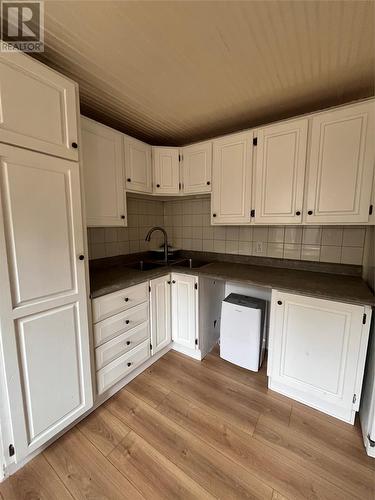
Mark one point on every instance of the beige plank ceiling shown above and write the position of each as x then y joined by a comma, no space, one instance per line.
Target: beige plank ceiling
175,72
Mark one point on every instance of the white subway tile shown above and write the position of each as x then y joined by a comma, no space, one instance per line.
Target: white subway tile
351,255
219,246
232,233
332,236
311,235
245,248
310,252
292,251
231,247
354,237
276,234
330,253
275,250
293,235
246,233
208,245
260,233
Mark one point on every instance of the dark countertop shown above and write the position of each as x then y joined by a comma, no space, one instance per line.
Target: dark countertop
324,285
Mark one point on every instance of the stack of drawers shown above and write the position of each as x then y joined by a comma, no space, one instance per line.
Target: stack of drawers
121,333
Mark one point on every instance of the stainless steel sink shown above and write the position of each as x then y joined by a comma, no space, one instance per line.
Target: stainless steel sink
190,263
142,265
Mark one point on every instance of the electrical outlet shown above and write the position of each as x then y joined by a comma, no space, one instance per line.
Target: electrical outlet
259,247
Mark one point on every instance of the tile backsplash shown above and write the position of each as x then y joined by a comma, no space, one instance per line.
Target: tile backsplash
188,226
111,241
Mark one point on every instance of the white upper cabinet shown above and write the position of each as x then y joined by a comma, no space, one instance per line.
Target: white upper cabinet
341,165
43,307
280,173
137,165
317,352
166,170
231,179
184,310
38,107
196,168
161,333
103,174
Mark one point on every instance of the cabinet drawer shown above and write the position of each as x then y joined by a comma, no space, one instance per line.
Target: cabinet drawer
121,344
120,323
122,366
113,303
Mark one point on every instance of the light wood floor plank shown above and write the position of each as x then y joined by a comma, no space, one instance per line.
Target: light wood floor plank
144,388
36,480
155,476
233,391
212,470
103,429
86,472
341,470
329,434
244,418
277,470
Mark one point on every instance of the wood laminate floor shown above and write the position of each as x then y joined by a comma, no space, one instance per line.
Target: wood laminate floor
188,429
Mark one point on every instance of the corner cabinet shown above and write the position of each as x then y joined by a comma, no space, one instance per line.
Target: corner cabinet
138,173
341,164
166,170
231,179
103,174
196,168
38,107
280,173
43,305
185,310
161,334
317,352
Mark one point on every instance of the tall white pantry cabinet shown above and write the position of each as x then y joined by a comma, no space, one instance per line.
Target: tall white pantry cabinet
43,301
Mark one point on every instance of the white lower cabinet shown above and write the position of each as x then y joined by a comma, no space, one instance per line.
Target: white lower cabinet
317,351
122,366
160,313
184,310
122,340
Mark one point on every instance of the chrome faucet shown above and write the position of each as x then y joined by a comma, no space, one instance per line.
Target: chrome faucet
158,228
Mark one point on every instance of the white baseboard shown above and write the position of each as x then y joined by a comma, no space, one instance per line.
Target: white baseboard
192,353
14,467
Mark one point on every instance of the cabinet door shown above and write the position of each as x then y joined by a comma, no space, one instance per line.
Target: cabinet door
231,179
341,165
38,107
196,168
137,165
184,310
160,313
317,349
103,175
43,307
166,170
280,173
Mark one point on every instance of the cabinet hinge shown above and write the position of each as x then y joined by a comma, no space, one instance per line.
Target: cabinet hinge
364,318
196,286
252,213
149,288
354,398
179,186
12,451
180,157
370,209
371,441
255,141
151,347
196,341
